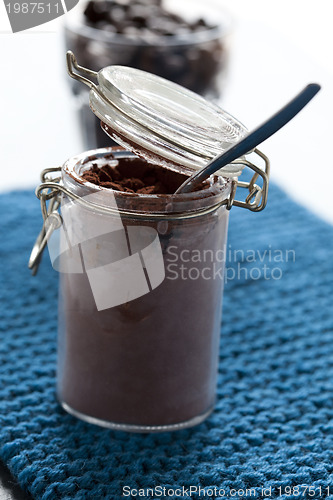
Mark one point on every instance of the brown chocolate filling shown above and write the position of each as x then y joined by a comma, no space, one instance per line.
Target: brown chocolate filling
135,175
150,361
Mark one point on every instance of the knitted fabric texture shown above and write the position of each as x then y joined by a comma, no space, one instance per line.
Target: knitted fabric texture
273,423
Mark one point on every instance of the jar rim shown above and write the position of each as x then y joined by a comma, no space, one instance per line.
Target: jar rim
216,194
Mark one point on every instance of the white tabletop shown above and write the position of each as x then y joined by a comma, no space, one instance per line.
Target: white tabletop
279,47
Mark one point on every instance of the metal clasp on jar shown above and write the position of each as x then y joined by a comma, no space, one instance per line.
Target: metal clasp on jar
257,196
51,217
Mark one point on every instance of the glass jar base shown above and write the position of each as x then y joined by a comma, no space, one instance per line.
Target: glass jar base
136,428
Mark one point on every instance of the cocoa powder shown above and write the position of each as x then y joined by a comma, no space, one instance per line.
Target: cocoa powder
135,175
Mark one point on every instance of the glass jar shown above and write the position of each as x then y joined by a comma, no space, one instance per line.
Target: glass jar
196,60
142,274
139,326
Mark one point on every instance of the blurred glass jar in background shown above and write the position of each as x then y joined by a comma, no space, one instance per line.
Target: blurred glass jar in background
184,41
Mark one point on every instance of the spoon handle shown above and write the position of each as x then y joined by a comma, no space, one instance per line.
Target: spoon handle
253,139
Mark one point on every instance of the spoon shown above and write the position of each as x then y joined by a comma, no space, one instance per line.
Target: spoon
253,139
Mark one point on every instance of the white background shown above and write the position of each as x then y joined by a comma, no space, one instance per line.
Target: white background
278,47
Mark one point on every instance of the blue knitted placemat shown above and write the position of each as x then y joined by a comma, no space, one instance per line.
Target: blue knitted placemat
273,424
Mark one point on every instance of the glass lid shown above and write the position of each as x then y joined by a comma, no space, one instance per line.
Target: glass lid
162,121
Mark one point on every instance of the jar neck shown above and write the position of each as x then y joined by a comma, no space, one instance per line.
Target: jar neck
134,204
